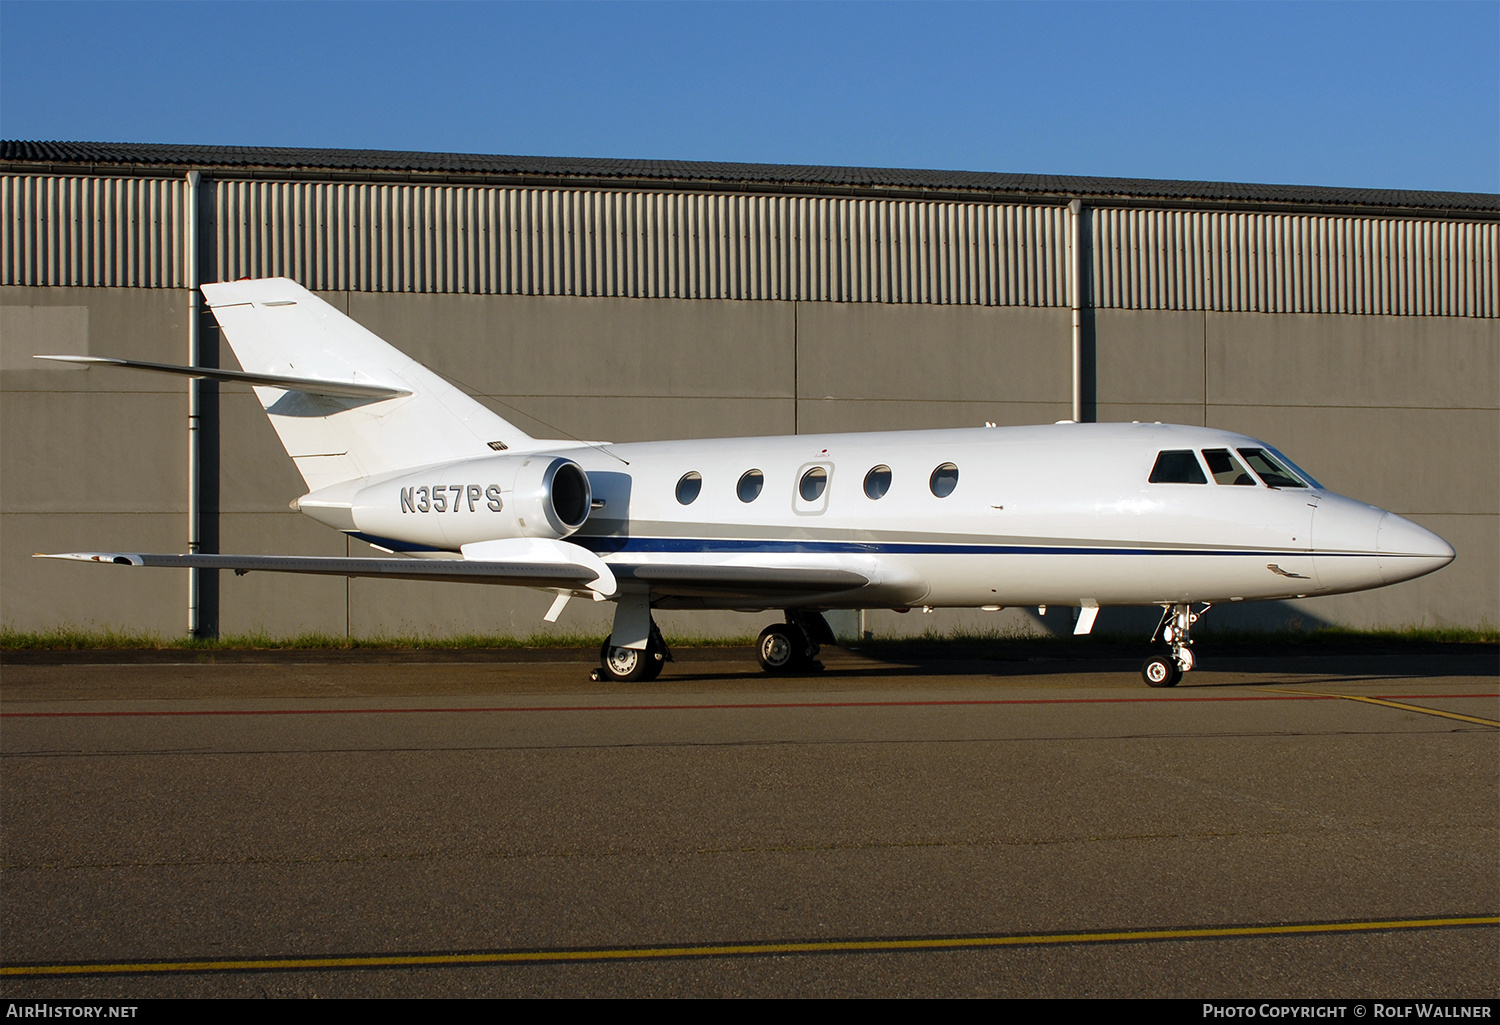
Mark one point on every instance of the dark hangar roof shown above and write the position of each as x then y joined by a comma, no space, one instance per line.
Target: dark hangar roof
257,161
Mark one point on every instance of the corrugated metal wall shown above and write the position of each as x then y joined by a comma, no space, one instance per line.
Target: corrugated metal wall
540,241
121,232
416,238
1293,263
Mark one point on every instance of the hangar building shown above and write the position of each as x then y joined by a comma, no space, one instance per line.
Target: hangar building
629,300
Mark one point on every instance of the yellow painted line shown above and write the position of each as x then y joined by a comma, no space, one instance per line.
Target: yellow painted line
742,949
1404,707
1424,711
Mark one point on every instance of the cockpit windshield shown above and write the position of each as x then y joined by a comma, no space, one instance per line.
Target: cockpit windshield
1281,457
1270,469
1226,468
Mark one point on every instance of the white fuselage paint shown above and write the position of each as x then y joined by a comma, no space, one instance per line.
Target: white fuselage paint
1060,514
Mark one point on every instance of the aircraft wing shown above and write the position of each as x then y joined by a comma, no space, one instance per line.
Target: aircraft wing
515,573
520,562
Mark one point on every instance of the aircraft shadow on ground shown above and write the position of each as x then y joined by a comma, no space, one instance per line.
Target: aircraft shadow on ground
1246,617
1329,664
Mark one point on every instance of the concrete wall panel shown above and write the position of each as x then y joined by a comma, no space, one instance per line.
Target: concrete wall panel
98,452
30,331
1308,360
281,604
135,323
1148,358
835,416
935,353
1145,412
622,419
552,345
43,594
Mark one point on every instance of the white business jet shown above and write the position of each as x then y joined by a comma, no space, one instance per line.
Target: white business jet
1071,514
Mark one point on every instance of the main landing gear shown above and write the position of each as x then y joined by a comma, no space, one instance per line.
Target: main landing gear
633,665
793,646
1166,668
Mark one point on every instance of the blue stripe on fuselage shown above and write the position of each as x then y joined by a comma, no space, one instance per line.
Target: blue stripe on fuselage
687,545
732,546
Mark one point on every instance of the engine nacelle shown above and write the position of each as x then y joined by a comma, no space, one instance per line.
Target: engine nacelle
455,504
552,497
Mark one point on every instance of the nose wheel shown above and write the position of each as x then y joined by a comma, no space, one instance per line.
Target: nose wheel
1166,669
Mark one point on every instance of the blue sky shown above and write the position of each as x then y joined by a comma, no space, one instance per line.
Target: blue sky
1386,95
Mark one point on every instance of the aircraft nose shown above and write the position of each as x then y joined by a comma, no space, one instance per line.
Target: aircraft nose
1406,551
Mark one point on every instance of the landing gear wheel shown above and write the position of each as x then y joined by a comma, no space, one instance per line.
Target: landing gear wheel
782,648
1161,671
630,665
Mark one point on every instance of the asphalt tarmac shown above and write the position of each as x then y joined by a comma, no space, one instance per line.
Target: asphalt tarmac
1286,825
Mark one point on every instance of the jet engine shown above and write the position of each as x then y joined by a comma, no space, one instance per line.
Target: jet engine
551,497
454,504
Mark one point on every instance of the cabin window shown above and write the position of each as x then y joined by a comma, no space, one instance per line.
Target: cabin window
750,485
1225,468
1177,467
813,483
689,486
1272,472
944,480
878,482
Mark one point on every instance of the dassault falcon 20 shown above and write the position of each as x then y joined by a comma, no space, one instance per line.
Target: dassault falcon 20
1070,514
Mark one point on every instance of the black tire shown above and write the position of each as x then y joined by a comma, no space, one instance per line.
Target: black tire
656,661
627,665
781,648
1161,671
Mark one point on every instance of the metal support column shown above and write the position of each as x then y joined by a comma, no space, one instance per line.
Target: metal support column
1080,289
203,434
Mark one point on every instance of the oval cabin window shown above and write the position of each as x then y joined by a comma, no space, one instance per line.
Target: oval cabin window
750,485
689,486
878,482
813,483
944,480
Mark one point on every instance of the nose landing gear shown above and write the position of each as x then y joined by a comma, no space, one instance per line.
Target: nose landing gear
1166,669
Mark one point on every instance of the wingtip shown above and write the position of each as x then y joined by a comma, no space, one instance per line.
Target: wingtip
107,558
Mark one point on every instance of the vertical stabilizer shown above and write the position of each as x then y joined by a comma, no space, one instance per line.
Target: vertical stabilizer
275,326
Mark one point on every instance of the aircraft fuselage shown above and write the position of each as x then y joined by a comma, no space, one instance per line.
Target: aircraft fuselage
1057,514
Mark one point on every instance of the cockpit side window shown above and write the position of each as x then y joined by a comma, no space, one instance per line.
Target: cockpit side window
1272,472
1177,467
1226,468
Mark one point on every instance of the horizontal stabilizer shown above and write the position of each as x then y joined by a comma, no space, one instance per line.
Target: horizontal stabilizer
578,577
337,389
